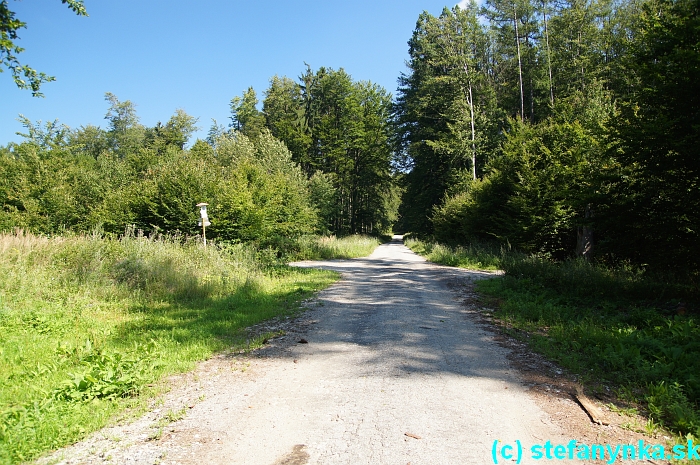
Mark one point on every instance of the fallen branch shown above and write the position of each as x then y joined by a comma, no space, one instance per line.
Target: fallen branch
590,408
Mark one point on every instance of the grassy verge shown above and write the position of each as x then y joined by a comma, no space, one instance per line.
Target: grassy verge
325,248
637,334
89,325
476,257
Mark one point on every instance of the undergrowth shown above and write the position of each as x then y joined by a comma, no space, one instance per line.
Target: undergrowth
619,326
473,256
90,325
325,248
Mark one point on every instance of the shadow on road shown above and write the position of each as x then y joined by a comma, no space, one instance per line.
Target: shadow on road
398,313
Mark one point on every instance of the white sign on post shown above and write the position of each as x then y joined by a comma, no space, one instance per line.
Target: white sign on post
205,220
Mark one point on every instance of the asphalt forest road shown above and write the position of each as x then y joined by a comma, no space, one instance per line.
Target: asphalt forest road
395,371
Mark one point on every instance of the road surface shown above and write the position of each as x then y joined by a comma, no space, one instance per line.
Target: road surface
395,371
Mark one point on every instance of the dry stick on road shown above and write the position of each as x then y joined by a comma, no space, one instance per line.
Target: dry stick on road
591,409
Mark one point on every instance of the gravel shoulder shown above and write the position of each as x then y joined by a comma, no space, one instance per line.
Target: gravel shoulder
390,365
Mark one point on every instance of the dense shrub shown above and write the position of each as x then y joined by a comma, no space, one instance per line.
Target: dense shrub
538,191
255,191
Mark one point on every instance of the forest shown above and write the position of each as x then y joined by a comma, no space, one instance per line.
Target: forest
563,128
560,128
315,160
557,140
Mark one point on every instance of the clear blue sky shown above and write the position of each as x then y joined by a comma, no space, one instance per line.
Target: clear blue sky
169,54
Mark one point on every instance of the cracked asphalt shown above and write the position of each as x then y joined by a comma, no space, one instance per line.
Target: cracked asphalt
395,371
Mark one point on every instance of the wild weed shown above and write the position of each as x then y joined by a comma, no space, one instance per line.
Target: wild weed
88,323
330,247
473,256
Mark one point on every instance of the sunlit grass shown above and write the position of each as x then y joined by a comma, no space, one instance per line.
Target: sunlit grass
330,247
88,323
474,257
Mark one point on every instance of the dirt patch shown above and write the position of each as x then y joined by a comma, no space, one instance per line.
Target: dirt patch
298,456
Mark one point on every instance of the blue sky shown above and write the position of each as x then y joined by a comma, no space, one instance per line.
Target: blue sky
169,54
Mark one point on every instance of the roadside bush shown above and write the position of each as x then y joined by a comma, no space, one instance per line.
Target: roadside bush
255,190
472,256
330,247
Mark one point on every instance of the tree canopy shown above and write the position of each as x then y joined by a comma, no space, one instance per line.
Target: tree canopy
559,128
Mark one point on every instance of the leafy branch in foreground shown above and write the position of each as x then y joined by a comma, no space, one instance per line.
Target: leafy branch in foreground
24,76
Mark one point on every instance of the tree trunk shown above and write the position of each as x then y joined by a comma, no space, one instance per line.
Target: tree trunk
531,90
470,102
471,109
520,65
584,239
549,57
578,55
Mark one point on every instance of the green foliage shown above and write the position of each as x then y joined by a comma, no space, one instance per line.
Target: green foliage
47,193
540,188
175,133
52,135
598,157
125,134
108,375
670,405
284,109
614,326
340,128
90,140
330,247
447,118
577,42
132,176
323,194
90,324
24,76
473,256
129,175
245,117
266,194
480,212
515,30
652,215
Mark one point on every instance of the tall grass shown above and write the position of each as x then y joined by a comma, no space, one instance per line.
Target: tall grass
88,323
472,256
325,248
616,326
